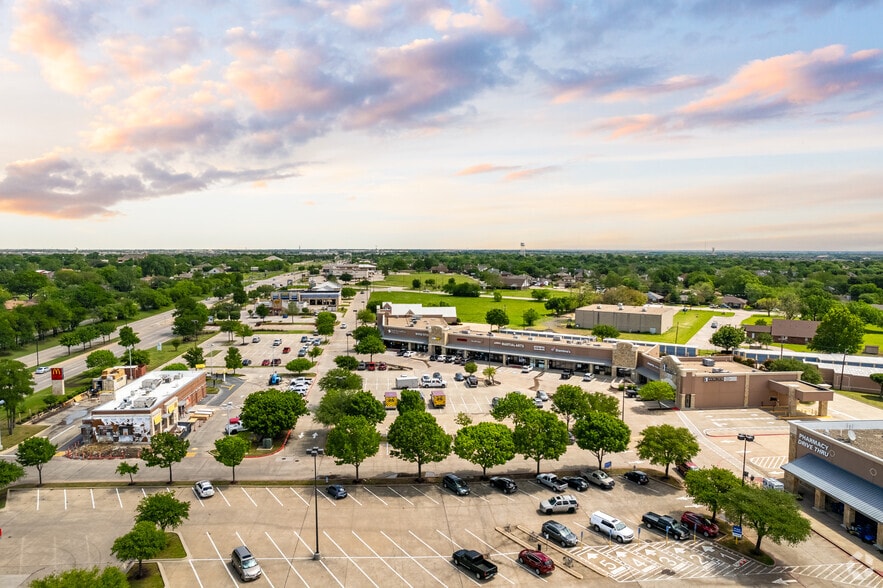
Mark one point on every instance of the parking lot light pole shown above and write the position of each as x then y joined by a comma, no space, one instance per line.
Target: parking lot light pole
316,452
2,402
348,335
746,440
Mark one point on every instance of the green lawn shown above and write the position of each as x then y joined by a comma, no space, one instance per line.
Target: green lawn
469,310
870,398
405,280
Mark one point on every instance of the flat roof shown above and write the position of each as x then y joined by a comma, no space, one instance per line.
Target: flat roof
866,436
148,391
646,309
719,364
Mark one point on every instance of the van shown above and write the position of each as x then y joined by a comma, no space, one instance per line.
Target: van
611,527
245,564
773,484
455,484
390,400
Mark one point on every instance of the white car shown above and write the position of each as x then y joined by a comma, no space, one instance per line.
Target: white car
552,481
525,369
542,396
204,489
408,354
343,326
42,370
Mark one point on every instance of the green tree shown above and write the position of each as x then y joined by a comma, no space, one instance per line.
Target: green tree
489,372
230,451
764,339
498,297
272,412
878,379
540,295
605,332
470,367
570,401
244,331
415,436
770,513
540,435
128,469
9,473
352,440
325,323
370,346
340,379
189,318
128,338
416,284
300,365
16,383
462,419
363,404
839,332
601,433
101,359
530,317
194,357
346,362
498,317
809,372
658,391
600,402
109,577
68,340
710,487
163,510
144,541
165,450
485,445
767,304
233,359
728,338
364,331
665,445
37,452
411,400
366,317
513,405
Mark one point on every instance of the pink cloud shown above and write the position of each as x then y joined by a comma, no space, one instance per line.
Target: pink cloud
141,57
527,174
484,168
622,126
667,86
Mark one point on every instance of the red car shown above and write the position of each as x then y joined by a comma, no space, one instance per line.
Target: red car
265,363
381,366
538,561
286,350
699,524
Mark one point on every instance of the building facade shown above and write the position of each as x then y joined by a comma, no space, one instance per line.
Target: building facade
626,319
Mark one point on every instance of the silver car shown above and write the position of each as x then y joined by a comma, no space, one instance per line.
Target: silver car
204,489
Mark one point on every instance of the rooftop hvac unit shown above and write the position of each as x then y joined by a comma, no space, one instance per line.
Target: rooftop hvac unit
707,361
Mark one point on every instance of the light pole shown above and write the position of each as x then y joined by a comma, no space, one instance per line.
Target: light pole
2,402
37,343
623,404
316,452
747,439
348,335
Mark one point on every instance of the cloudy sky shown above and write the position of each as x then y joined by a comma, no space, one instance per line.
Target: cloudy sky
651,124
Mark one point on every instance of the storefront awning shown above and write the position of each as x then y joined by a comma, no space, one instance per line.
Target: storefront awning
648,373
863,496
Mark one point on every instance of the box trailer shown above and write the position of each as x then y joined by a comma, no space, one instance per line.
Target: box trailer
412,382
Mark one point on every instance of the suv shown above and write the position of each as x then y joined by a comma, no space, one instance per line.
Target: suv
507,485
611,526
245,564
555,531
699,524
563,503
686,466
471,381
599,478
455,484
256,339
277,342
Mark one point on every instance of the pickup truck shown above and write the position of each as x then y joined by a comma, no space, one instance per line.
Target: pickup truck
475,563
666,524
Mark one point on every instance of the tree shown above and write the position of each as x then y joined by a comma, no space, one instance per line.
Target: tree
485,445
513,405
530,317
600,402
300,365
352,440
770,513
411,400
230,451
9,473
194,357
601,433
415,436
16,382
878,379
165,450
68,340
839,332
346,362
272,412
728,337
128,338
489,372
243,330
348,292
340,379
364,331
605,332
126,468
233,359
767,304
540,435
470,367
665,445
109,577
416,284
497,316
764,339
809,372
498,296
190,317
540,295
35,451
163,510
325,322
370,345
144,541
363,404
101,359
710,487
658,391
366,317
570,401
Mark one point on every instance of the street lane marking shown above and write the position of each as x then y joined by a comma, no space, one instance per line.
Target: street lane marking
400,496
425,494
450,561
222,496
119,499
193,569
92,496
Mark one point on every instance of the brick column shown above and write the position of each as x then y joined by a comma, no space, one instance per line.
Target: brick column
823,408
819,501
848,516
879,543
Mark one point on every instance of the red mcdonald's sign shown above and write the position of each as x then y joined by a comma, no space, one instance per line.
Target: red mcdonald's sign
57,373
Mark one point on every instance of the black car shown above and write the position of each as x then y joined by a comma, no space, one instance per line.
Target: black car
433,357
576,483
246,362
565,375
631,393
506,485
637,476
336,491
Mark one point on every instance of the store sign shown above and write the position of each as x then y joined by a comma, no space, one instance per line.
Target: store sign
57,374
813,444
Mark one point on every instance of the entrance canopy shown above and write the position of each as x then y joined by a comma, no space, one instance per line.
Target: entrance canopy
863,496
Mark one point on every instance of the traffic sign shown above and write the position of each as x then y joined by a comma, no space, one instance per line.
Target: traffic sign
737,531
608,465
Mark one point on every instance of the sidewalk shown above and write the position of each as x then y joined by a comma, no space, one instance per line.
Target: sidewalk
830,530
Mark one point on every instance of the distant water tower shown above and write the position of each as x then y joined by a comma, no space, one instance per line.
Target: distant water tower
522,249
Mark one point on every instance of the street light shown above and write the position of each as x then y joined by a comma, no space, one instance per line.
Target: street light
2,402
315,452
747,439
348,335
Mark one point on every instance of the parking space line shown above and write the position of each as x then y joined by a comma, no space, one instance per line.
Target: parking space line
375,496
425,494
325,496
274,496
193,569
493,550
413,559
92,496
350,559
305,544
264,574
354,498
296,493
65,499
451,563
220,559
222,496
400,496
382,560
119,499
143,491
249,497
288,561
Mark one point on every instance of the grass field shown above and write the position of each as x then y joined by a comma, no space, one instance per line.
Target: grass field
406,280
469,310
685,325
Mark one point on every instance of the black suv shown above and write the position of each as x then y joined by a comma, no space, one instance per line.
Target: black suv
507,485
555,531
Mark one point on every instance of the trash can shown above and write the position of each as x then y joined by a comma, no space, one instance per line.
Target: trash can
267,443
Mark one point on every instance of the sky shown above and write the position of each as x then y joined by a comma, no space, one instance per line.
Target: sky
746,125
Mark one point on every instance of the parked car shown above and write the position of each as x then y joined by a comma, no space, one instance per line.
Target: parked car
336,491
265,363
408,354
525,369
343,326
246,362
537,561
495,401
471,381
637,476
506,485
561,503
458,377
455,484
713,324
304,338
204,489
686,466
245,564
433,357
665,524
599,478
382,366
474,563
552,481
576,483
588,377
286,350
555,531
276,362
699,524
631,393
542,396
277,342
362,366
42,370
256,339
538,403
565,375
